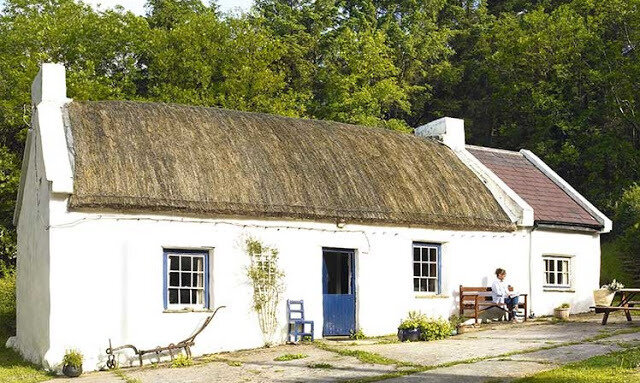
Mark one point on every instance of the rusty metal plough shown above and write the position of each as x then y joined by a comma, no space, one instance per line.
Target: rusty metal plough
171,348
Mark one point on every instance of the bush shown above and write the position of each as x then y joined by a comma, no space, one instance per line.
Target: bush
434,329
7,304
357,335
430,329
73,358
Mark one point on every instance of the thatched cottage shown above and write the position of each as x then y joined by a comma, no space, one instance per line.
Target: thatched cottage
117,197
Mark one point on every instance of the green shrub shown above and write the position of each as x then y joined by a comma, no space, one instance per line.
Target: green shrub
73,358
430,329
564,306
434,329
181,361
7,304
413,321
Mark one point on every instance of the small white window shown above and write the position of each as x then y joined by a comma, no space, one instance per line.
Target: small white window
426,267
557,271
186,279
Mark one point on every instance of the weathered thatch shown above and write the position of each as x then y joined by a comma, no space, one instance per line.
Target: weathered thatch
133,156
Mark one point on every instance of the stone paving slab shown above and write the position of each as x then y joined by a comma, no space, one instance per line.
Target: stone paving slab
480,372
567,354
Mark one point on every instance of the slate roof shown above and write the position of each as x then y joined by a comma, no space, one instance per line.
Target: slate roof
550,203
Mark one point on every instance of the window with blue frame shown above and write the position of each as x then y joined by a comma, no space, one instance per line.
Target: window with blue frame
426,267
186,279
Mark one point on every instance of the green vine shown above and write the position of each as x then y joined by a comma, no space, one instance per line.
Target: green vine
266,280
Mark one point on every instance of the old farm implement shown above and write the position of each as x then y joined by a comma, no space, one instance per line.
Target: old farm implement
172,348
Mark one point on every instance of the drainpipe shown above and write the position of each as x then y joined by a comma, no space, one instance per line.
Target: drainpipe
530,303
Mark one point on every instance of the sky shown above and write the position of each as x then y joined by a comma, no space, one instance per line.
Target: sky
137,6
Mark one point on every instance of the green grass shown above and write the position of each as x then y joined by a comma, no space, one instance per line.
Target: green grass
285,357
364,356
120,374
321,365
611,265
618,367
12,368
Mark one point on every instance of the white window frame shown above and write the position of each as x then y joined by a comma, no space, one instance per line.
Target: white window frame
204,255
429,248
567,275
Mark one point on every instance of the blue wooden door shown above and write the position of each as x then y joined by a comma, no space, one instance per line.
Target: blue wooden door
339,292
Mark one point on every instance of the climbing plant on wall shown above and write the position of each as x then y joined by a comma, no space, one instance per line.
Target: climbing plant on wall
266,280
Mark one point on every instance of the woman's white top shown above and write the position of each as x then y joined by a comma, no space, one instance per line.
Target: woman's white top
499,291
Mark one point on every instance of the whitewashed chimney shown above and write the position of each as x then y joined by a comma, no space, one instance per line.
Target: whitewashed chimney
49,85
450,131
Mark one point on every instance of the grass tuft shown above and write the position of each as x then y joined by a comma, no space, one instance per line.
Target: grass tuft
286,357
321,365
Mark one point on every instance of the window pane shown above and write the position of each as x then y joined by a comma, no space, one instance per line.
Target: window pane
185,296
174,279
199,278
200,297
186,279
551,265
174,262
432,285
198,264
432,255
560,265
425,254
173,296
423,284
185,263
552,278
416,269
425,269
561,279
432,270
416,254
416,284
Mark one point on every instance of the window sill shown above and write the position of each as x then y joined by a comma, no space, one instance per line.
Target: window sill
186,310
431,296
558,290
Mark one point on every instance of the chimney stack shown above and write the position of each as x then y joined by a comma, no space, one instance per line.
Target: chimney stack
49,85
450,131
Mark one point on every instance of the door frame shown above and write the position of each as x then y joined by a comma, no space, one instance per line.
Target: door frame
354,279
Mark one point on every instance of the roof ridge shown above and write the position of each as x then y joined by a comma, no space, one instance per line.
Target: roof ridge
493,149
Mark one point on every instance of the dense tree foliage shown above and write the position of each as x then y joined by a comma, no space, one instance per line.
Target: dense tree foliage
556,76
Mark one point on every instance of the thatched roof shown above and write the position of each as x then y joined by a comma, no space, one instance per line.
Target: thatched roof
133,156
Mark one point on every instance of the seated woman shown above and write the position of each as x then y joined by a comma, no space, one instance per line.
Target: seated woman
501,295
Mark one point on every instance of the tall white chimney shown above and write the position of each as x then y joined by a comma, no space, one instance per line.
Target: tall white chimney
49,85
450,131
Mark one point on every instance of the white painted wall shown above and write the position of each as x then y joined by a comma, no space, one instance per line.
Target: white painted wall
106,276
32,286
584,250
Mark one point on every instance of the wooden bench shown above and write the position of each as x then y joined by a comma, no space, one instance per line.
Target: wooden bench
478,299
606,310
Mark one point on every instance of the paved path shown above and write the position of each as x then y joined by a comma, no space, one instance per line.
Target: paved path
494,354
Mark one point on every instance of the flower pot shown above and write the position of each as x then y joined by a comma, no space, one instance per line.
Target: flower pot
603,297
72,371
561,313
411,334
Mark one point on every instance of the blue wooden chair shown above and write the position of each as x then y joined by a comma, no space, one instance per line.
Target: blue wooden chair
297,323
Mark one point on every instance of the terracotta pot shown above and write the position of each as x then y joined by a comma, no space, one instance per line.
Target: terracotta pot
603,297
72,371
561,313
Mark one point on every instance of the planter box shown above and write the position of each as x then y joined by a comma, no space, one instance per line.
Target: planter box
603,297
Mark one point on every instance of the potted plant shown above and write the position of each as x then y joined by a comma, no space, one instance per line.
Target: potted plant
72,364
562,311
409,328
604,295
